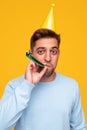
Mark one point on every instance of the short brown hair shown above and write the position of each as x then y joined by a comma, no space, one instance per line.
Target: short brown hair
43,33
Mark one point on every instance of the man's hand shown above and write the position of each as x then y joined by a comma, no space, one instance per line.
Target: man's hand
32,74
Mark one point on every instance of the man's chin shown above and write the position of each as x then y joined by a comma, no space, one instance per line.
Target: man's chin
49,73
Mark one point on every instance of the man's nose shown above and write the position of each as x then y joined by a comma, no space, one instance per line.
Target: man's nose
48,57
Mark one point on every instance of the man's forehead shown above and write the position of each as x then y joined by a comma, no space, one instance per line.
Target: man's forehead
46,39
46,42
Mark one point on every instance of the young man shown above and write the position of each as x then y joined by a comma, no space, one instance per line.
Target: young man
42,99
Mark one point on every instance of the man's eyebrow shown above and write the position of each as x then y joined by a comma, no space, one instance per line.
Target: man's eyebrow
40,48
54,47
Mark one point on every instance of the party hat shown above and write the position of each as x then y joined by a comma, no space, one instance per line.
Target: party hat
49,21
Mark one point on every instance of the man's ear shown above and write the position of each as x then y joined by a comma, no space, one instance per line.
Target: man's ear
58,52
31,52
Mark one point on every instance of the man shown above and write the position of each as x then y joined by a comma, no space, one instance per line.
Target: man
42,99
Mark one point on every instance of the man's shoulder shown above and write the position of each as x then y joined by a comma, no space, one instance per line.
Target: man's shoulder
66,80
16,81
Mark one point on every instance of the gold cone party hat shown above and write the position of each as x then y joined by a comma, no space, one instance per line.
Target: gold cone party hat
49,21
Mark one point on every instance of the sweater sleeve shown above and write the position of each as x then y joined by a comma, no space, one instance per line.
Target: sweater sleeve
13,103
77,120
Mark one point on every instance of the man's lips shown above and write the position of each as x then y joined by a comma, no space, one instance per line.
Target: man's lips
48,65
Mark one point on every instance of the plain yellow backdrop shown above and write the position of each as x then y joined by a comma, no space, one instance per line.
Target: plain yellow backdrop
18,20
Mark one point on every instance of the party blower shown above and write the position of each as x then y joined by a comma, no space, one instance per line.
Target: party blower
34,60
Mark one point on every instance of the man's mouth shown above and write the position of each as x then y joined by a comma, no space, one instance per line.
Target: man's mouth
48,65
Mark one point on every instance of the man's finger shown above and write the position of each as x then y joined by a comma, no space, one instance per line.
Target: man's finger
43,71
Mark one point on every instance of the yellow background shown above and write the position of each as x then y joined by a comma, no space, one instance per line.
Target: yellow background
19,18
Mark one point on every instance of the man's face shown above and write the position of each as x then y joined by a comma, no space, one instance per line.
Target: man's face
46,51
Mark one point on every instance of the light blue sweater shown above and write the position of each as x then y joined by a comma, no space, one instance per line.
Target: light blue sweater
54,105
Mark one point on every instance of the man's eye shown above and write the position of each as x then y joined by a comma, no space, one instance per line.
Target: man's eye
54,52
40,52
